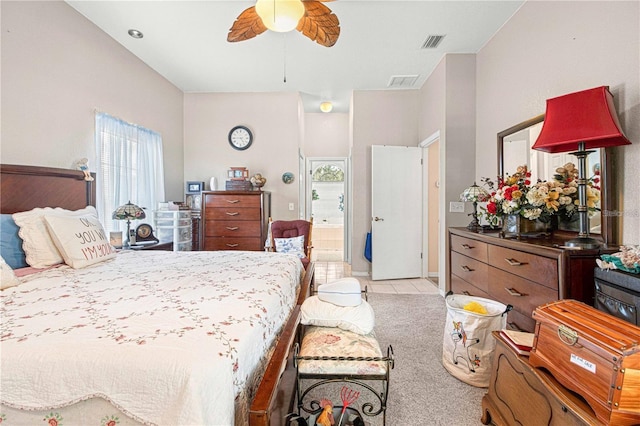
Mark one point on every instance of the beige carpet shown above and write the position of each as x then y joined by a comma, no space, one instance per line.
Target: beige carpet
422,392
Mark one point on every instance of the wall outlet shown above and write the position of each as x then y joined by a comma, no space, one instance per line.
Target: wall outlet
456,207
291,206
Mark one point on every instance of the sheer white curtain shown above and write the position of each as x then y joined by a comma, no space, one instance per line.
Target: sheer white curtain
130,168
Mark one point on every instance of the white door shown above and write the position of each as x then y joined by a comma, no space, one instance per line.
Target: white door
396,210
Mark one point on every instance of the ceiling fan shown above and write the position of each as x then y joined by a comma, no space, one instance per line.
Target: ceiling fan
312,18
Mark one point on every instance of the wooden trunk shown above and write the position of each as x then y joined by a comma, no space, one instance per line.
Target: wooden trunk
592,353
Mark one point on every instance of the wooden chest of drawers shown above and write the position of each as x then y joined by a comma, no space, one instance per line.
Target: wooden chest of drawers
522,273
235,220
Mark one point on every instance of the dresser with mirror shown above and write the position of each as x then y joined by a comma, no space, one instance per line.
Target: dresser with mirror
528,272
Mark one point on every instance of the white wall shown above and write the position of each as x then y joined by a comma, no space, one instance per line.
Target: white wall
274,121
57,69
326,135
548,49
378,118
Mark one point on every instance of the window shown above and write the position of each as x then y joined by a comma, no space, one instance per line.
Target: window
130,168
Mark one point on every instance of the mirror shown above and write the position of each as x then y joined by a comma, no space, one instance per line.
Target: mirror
514,149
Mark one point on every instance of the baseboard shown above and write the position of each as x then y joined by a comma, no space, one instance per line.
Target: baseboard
359,274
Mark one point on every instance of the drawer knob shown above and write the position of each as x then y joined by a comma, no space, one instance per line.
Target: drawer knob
466,268
232,228
232,213
513,292
232,245
467,247
232,201
514,262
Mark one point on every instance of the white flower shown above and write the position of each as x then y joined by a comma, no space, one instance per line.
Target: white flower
532,214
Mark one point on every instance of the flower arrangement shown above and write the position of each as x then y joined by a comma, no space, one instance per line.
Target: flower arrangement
517,195
567,176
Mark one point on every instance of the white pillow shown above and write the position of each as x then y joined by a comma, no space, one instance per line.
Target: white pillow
81,240
357,319
37,244
8,278
343,292
294,245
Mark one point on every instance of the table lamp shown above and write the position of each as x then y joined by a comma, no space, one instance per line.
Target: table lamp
128,212
577,122
474,194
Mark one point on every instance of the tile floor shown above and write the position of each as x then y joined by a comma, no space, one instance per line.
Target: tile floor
326,271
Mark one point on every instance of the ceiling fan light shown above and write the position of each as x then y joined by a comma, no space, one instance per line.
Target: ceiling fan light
280,15
326,106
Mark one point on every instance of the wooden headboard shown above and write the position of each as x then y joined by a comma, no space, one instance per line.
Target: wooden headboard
26,187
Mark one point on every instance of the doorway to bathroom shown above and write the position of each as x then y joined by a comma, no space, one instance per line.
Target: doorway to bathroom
328,207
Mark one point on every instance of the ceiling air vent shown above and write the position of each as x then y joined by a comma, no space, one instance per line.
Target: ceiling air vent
399,81
432,41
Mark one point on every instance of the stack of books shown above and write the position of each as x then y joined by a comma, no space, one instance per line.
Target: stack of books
520,341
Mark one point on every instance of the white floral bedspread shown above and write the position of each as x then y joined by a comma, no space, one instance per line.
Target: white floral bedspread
170,338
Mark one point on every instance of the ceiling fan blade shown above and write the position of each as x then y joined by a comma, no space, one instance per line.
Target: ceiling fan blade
247,25
319,23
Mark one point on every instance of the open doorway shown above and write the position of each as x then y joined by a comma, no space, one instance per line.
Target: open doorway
327,197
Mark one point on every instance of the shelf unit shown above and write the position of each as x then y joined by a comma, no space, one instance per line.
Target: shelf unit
174,225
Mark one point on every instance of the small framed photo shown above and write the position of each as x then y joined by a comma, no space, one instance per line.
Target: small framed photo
238,173
115,238
194,187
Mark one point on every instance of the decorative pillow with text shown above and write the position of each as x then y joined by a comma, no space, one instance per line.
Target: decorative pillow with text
39,247
82,241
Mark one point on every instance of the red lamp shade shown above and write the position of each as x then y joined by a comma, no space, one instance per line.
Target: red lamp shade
588,116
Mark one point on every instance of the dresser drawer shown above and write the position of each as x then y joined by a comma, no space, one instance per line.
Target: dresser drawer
469,247
539,269
235,200
523,294
460,286
232,213
233,243
232,228
470,270
518,321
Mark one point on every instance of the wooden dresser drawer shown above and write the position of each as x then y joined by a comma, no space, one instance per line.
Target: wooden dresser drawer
233,243
460,286
539,269
232,228
235,200
232,213
470,270
469,247
523,294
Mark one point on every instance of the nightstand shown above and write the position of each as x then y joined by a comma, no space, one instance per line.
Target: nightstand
168,246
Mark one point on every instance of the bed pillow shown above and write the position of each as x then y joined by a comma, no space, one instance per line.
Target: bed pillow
357,319
81,240
342,292
7,278
293,245
11,243
40,249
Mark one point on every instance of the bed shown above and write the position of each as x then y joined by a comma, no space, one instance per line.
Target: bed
145,337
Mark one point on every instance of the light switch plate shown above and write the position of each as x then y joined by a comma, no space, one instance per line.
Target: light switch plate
456,207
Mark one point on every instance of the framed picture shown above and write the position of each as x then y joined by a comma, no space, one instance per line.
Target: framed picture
238,173
194,187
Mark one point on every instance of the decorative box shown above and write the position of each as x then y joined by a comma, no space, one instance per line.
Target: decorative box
238,185
593,354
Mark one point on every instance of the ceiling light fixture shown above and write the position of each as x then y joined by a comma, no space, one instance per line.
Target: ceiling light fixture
135,33
310,17
326,106
280,15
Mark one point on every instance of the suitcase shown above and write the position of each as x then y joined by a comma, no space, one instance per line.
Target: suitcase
593,354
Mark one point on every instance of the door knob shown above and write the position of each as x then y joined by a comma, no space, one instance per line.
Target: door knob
378,219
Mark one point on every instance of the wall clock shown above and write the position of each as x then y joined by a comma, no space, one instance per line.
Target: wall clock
240,138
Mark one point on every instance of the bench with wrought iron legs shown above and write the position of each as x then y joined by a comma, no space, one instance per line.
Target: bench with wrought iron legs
332,356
